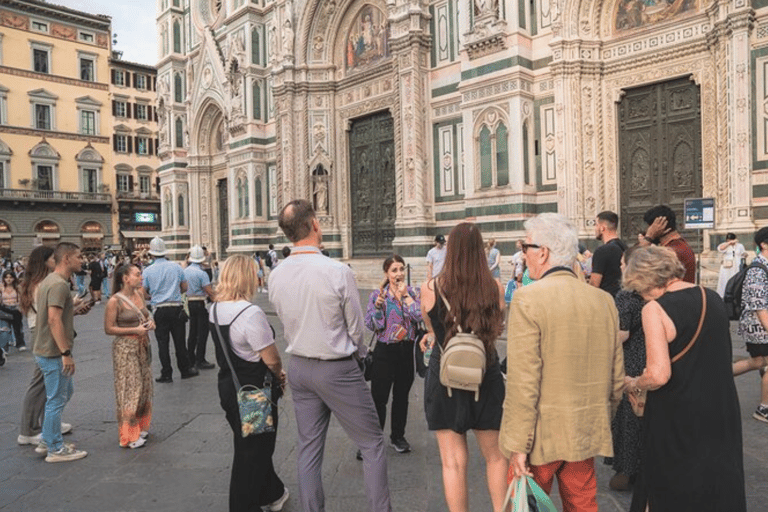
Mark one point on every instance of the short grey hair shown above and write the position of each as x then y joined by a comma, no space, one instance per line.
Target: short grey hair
556,233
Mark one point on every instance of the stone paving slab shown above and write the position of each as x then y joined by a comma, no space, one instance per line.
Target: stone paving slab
186,463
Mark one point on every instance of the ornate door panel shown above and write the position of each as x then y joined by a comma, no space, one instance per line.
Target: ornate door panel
659,153
223,218
372,185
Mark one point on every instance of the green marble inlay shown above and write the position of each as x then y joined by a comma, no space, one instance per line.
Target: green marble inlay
172,165
497,66
760,191
447,89
252,140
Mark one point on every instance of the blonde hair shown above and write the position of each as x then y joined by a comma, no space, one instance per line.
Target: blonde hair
651,267
237,279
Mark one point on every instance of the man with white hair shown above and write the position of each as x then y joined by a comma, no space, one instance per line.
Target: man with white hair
565,369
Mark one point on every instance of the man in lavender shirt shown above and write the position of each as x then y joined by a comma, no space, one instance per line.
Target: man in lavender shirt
318,302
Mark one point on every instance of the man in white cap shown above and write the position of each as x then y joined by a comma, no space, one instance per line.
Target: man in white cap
198,289
164,282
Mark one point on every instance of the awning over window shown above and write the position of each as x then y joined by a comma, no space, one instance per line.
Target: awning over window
140,234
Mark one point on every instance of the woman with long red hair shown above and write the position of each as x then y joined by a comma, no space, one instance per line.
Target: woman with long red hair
476,304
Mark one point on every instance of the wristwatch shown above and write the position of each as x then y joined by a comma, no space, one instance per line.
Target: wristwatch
67,353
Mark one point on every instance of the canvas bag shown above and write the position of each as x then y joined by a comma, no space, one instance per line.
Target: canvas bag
462,361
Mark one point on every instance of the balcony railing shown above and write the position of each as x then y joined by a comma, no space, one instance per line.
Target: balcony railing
122,194
52,195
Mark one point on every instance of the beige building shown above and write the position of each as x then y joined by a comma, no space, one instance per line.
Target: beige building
134,147
56,175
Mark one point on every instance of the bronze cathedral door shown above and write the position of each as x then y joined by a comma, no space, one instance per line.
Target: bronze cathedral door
372,185
659,153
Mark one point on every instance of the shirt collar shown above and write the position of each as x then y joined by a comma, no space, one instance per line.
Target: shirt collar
558,269
305,249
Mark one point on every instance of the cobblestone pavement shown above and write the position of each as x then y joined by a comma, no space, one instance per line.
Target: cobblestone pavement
185,465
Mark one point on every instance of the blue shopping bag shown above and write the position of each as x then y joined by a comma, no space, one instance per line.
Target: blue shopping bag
524,495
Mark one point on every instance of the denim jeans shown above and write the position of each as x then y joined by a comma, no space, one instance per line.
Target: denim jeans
105,286
58,390
80,284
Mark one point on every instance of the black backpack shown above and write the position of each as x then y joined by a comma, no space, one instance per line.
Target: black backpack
268,259
734,288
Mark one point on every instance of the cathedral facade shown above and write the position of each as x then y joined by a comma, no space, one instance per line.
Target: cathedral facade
400,118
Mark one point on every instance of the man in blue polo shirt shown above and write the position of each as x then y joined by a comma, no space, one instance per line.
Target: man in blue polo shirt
164,283
198,288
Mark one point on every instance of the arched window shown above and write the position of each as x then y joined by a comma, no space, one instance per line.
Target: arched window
502,156
176,37
182,210
486,159
259,199
492,150
256,101
179,133
255,46
178,88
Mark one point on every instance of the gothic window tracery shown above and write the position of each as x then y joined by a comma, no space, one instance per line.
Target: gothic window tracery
182,210
492,150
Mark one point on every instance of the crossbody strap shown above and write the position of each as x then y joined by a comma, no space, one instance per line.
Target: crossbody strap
698,330
122,296
225,347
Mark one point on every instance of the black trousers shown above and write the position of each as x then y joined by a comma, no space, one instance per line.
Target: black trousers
253,482
18,328
167,325
198,331
392,370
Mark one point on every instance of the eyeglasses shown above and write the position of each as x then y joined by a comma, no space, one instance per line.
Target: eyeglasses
529,246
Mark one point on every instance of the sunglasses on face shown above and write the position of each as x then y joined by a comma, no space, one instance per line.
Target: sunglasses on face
529,246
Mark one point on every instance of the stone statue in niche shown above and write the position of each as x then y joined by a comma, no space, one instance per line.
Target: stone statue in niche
287,40
320,189
486,8
273,44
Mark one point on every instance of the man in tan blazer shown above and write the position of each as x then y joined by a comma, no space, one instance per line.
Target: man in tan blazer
565,369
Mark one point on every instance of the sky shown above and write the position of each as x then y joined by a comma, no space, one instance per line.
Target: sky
133,22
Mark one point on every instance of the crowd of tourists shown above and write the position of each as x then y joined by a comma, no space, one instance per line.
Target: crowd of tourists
614,354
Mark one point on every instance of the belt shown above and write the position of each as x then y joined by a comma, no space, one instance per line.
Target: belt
168,305
195,298
347,358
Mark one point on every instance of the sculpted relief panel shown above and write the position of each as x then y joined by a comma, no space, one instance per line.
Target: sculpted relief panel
633,14
367,41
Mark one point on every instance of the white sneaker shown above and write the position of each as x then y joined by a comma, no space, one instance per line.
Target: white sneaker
66,428
42,448
143,434
29,439
67,453
136,444
277,506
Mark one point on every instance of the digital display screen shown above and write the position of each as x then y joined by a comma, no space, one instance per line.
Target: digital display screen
146,218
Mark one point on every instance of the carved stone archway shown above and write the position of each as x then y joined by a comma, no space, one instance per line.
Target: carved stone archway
390,80
593,63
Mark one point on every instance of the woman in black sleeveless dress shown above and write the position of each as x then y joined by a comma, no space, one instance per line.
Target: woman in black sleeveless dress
477,300
692,457
241,329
